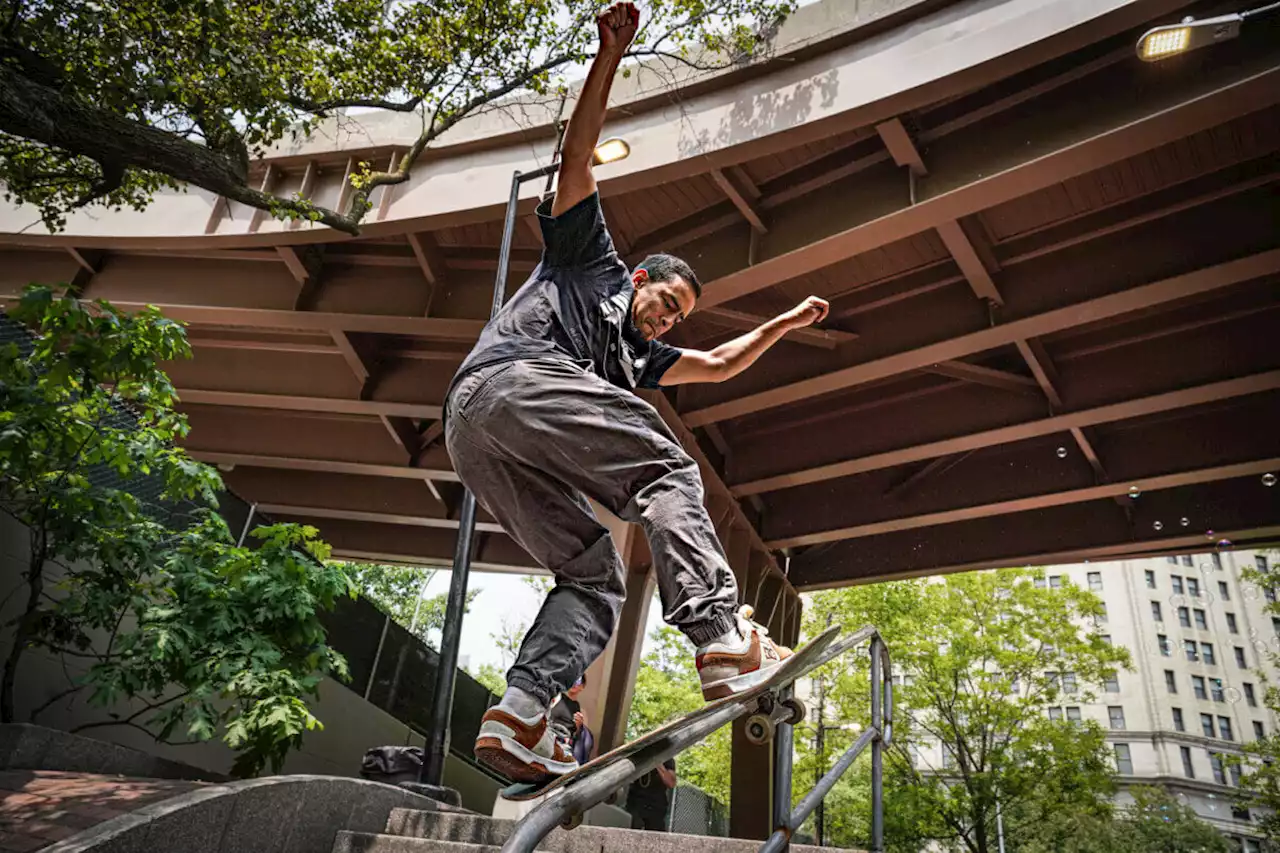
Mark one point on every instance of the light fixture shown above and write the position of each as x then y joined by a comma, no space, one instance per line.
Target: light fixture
1172,39
611,150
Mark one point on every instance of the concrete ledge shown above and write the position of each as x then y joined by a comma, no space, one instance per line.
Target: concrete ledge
27,747
278,814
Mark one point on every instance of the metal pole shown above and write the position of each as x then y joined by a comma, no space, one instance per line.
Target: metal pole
999,826
820,817
451,634
783,736
877,750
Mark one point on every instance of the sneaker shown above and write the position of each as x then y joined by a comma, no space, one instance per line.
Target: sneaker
727,669
523,750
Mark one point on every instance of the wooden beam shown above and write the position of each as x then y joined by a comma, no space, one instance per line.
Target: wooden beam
980,375
1171,480
901,148
388,190
344,194
1166,402
307,188
374,517
430,261
740,200
269,177
221,207
330,405
967,258
1204,280
353,358
82,259
331,466
1037,358
1091,455
404,434
935,468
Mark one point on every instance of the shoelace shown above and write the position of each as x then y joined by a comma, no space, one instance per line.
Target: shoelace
745,612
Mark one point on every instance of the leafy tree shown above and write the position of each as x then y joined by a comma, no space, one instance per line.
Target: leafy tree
109,101
491,677
983,653
667,687
1154,823
129,569
398,590
1260,766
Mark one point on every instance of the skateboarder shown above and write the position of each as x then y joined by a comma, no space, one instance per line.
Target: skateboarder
542,415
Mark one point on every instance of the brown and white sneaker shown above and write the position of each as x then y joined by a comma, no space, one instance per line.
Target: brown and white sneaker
523,750
726,669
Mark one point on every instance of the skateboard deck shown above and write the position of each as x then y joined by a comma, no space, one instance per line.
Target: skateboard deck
813,654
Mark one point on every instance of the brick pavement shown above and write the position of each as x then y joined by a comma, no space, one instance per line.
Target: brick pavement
39,807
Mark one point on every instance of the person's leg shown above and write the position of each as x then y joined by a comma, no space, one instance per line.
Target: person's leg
614,447
556,526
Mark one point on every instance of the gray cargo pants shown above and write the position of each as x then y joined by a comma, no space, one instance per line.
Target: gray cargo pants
533,439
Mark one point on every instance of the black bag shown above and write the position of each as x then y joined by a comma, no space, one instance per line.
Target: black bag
392,764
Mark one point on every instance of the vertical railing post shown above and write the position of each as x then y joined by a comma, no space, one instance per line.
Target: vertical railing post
783,737
877,748
451,634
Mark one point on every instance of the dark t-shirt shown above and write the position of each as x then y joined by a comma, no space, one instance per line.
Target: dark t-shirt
648,794
576,306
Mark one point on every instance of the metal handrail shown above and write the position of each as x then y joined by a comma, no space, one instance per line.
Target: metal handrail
786,820
572,800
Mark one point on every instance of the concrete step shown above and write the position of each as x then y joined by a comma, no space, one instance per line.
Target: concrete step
414,831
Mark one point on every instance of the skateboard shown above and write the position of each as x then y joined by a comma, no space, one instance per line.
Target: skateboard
769,709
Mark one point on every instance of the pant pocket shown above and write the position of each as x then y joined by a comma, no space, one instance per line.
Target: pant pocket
469,397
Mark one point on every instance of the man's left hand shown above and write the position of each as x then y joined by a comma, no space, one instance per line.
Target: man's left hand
812,310
580,719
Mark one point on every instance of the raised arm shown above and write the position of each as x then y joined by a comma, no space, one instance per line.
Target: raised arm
732,357
617,26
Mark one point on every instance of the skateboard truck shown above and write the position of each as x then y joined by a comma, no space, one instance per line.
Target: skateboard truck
761,726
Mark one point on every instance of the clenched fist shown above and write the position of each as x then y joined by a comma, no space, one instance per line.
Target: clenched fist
618,25
812,310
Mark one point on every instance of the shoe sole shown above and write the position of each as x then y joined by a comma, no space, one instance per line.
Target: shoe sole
517,763
737,683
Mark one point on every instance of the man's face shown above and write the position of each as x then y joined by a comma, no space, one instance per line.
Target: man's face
659,305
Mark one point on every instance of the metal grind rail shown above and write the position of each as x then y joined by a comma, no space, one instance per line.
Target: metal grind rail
566,806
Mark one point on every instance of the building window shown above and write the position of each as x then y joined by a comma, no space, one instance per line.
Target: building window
1249,696
1170,682
1201,622
1163,640
1055,581
1186,560
1219,770
1173,561
1073,714
1197,687
1115,715
1258,731
1095,581
1102,614
1275,625
1151,579
1217,562
1190,647
1240,812
1124,764
1231,623
1206,652
1176,580
1193,587
1055,714
1068,682
1039,583
1155,612
1224,728
1112,684
1260,561
1206,725
1215,690
1240,657
1269,593
1106,638
1179,725
1234,769
1184,617
1224,591
1188,769
948,760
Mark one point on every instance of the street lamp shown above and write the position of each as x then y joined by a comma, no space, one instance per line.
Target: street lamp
432,772
1172,39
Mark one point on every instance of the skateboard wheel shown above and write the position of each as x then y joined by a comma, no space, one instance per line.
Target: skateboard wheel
759,729
573,821
765,705
797,709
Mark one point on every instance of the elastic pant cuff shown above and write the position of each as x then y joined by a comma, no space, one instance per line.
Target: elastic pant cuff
540,691
713,629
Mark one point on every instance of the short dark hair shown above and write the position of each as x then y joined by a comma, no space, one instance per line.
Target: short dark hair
667,267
